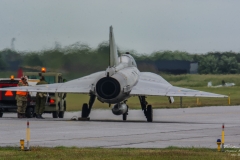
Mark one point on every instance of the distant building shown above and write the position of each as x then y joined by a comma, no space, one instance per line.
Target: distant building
193,68
169,66
177,66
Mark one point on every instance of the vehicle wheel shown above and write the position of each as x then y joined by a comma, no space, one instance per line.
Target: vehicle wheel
55,114
149,113
61,114
85,110
29,112
1,114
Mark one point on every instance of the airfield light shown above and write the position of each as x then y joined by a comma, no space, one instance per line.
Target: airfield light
12,77
43,70
22,144
223,137
219,143
229,100
28,135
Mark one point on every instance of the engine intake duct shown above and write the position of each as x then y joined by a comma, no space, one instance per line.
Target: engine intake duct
108,88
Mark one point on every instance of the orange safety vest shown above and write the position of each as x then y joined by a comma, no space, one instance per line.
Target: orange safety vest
21,93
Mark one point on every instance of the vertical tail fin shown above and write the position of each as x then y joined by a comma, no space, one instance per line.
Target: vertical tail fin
113,59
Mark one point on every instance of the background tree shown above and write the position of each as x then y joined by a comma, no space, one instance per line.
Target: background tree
32,59
79,59
228,65
3,65
208,64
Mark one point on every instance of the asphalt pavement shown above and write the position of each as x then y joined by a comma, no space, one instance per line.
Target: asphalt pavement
183,127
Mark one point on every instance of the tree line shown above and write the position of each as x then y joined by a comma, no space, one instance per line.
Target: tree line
80,59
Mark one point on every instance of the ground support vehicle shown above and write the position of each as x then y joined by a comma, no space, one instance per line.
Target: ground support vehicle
55,104
8,101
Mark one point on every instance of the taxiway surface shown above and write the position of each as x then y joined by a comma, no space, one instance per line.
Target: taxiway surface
184,127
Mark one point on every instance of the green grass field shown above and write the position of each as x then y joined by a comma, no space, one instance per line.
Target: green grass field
170,153
201,80
75,101
192,81
197,82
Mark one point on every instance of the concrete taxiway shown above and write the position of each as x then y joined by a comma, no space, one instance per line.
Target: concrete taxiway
184,127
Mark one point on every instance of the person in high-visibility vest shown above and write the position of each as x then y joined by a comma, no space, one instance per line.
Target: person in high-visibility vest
21,97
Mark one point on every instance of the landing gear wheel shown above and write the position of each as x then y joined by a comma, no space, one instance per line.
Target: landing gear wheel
125,115
29,112
85,110
61,114
55,114
149,113
1,114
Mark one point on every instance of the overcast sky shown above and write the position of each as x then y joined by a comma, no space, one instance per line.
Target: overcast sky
196,26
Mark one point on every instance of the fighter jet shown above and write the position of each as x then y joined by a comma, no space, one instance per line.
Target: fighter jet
117,83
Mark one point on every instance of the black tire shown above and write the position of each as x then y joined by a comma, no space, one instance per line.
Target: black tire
55,114
29,112
149,113
65,105
1,114
85,110
61,114
124,116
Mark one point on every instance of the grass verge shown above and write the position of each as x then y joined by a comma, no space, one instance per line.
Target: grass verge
191,81
75,101
170,153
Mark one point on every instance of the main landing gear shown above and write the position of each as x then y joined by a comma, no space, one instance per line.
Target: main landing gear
147,109
125,115
86,108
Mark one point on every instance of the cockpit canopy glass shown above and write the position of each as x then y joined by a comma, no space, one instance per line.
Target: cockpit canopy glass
125,58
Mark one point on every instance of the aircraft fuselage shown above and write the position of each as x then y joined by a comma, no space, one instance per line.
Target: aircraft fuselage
116,83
